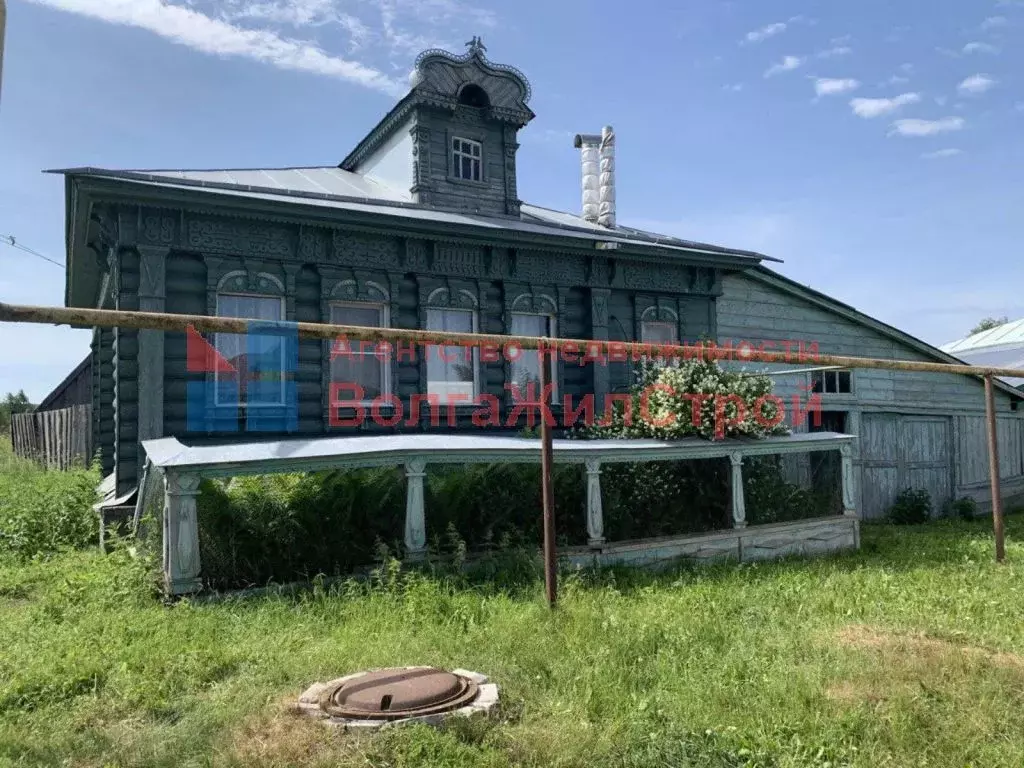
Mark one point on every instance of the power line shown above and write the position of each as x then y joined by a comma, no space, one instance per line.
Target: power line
11,241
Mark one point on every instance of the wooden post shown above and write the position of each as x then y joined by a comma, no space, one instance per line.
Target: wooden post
739,507
993,469
595,511
547,489
415,515
181,534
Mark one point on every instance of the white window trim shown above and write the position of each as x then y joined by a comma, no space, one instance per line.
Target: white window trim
552,333
284,352
455,154
475,315
385,381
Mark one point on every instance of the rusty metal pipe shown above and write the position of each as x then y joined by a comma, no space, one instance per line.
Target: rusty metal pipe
548,494
164,321
993,470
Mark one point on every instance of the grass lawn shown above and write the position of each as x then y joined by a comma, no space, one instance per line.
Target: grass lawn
909,653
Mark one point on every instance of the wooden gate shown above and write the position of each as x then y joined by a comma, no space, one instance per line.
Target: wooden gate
898,452
57,439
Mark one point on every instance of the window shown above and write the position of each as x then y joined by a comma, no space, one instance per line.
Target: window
466,159
526,368
259,360
831,382
452,370
658,332
359,364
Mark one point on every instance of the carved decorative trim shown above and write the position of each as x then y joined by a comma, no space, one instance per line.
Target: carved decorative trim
250,281
360,290
253,240
660,313
534,304
451,298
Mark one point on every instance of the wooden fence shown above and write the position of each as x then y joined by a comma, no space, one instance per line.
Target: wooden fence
57,439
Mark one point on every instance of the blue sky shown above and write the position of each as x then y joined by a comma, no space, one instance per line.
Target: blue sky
875,147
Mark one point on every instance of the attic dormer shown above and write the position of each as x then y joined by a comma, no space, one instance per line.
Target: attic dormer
451,141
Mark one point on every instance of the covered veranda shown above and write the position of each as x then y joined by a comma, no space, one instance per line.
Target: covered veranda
174,469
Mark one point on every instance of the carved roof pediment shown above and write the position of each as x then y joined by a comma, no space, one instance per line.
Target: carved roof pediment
441,76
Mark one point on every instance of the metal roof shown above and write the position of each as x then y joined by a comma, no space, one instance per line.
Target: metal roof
332,187
321,452
1005,336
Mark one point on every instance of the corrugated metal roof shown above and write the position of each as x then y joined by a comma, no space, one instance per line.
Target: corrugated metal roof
170,452
335,188
1006,335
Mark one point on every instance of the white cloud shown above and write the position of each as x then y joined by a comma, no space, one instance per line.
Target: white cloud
765,32
914,127
734,87
788,64
897,80
941,153
976,47
839,50
191,28
994,21
976,84
941,100
869,108
829,86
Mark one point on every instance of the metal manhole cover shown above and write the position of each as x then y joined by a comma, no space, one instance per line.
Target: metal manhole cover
393,694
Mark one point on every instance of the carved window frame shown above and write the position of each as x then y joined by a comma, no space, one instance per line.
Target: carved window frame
465,133
658,313
354,287
533,303
255,284
453,297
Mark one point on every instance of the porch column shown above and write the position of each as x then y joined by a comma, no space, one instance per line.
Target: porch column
595,512
739,509
181,533
846,476
415,520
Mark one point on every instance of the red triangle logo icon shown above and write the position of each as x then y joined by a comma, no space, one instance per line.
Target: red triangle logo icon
201,357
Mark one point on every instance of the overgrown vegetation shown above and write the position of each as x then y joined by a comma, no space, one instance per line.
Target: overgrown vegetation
908,653
666,498
913,506
43,511
964,507
11,404
281,528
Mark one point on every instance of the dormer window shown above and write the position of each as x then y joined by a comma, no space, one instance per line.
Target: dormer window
466,159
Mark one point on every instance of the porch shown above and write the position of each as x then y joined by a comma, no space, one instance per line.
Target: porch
174,469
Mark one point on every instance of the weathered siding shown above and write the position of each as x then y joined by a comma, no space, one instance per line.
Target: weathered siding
921,430
487,196
104,398
186,294
126,374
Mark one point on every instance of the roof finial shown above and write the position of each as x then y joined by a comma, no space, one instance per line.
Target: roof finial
476,46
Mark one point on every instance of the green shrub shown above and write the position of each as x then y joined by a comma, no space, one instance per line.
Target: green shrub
913,506
965,507
44,511
680,497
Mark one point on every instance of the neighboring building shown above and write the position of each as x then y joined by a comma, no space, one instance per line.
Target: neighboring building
421,226
1002,347
76,389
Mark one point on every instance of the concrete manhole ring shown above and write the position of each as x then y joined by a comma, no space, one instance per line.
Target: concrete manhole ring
376,698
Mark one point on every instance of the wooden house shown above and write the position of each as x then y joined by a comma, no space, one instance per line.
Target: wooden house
421,225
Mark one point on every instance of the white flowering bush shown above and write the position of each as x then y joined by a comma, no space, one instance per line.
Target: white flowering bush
671,498
729,404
